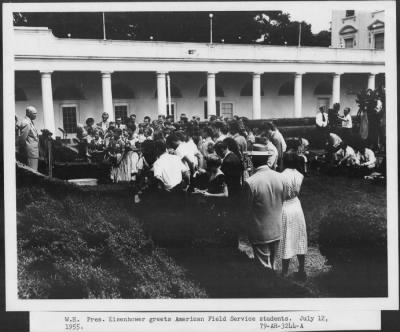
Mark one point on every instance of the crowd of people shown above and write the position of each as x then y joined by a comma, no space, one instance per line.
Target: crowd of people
348,151
252,176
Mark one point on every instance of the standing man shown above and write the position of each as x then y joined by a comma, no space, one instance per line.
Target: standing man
275,136
232,168
263,197
347,124
321,122
29,139
104,123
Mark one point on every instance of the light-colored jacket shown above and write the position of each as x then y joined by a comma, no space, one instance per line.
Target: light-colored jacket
28,140
264,200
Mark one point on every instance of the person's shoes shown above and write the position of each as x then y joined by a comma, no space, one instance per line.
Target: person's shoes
301,276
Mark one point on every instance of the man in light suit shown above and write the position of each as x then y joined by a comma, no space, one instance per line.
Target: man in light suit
29,139
263,193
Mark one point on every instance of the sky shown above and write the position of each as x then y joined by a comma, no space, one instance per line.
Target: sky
319,19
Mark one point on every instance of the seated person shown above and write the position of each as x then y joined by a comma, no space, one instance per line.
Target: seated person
346,155
216,186
365,161
96,146
90,125
332,145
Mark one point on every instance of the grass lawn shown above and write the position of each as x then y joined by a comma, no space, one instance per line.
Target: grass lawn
85,243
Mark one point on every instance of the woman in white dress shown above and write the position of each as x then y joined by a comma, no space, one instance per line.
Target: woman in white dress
294,232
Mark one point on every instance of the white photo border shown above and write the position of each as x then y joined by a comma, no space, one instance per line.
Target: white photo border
13,303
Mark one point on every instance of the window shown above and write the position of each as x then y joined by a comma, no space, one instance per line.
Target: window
379,41
69,118
348,43
121,111
350,13
227,110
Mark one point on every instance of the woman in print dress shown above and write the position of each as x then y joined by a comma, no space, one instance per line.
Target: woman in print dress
294,233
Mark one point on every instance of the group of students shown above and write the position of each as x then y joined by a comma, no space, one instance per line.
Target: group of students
345,150
218,161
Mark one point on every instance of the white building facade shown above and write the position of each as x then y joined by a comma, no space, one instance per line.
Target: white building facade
358,29
70,80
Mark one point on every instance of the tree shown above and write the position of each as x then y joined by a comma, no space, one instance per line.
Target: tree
268,27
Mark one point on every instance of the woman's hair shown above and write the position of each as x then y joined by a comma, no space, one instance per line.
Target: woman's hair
267,126
208,131
214,161
89,120
232,146
219,147
160,147
291,160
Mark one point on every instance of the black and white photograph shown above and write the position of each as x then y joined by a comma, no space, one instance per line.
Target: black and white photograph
242,153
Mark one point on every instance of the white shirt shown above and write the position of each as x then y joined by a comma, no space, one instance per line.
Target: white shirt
347,122
221,138
319,120
273,157
188,150
349,152
379,106
169,168
368,158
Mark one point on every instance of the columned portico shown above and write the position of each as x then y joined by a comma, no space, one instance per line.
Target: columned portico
298,95
211,100
107,94
336,88
47,101
256,95
371,81
161,94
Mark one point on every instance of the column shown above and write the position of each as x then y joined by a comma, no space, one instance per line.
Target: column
107,94
211,101
256,95
161,93
298,95
336,88
371,81
47,102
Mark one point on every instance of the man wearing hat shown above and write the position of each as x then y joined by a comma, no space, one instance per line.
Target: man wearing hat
263,193
104,123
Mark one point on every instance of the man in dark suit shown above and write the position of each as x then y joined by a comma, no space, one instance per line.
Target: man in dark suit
263,196
29,139
232,168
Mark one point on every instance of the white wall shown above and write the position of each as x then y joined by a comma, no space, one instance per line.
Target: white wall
143,85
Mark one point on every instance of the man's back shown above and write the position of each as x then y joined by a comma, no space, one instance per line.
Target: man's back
232,169
264,195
